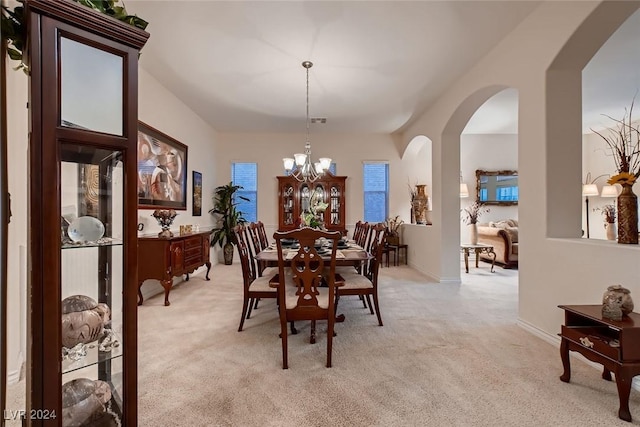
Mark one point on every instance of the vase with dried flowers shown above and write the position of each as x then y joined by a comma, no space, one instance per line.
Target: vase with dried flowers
609,216
623,142
393,230
412,197
470,216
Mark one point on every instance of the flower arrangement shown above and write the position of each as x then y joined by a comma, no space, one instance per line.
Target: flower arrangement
624,144
165,219
608,212
313,217
393,224
473,212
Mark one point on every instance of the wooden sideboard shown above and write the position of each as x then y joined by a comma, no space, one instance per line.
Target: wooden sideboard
613,344
163,258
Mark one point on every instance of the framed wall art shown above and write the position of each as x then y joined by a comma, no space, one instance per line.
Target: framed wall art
162,170
197,194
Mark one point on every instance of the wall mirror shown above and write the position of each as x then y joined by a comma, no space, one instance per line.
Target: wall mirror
497,187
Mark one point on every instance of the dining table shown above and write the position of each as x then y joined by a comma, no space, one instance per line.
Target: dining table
348,254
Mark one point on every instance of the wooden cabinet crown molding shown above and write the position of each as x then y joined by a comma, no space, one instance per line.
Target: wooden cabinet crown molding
91,20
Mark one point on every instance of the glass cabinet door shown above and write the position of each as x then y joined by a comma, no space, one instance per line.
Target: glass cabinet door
288,205
334,204
92,280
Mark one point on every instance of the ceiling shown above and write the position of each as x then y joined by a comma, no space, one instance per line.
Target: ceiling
377,64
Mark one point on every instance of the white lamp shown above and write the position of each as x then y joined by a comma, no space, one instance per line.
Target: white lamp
464,190
609,191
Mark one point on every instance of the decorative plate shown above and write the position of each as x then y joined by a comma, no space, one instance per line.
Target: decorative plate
85,229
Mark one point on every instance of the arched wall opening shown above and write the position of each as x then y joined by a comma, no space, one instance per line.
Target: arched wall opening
417,166
489,142
564,85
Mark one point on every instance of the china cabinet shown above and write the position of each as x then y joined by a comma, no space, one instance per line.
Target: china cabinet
82,355
294,199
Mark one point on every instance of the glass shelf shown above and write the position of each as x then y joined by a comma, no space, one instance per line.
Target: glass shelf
93,357
105,241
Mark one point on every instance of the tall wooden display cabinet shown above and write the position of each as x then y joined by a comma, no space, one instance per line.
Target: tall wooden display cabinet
82,351
294,198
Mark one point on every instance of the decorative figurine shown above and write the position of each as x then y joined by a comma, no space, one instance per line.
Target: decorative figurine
83,320
616,302
84,401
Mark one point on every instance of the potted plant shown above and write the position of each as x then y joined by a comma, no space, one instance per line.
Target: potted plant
224,210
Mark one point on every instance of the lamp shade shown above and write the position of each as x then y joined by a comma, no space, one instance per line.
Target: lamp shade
300,158
288,163
590,190
325,162
464,190
609,191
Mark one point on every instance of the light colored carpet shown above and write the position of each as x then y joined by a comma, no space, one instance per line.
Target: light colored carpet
448,355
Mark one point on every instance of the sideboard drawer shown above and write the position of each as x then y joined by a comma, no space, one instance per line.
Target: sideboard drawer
597,338
192,242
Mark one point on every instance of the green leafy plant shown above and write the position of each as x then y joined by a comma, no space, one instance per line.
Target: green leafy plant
14,26
226,213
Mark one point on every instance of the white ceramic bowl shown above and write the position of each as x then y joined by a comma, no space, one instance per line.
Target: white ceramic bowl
85,228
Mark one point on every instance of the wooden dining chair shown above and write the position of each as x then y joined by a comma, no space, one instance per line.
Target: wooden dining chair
306,294
365,285
262,235
258,245
254,287
357,231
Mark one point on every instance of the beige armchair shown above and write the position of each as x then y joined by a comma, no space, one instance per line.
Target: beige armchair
504,239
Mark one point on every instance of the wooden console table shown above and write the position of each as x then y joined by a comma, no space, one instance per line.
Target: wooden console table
613,344
163,258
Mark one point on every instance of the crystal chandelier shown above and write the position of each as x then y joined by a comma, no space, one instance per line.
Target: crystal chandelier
301,167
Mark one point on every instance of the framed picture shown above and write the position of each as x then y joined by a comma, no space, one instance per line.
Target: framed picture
162,170
197,194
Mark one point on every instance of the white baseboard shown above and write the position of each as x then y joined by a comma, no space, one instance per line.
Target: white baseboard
13,376
555,341
434,277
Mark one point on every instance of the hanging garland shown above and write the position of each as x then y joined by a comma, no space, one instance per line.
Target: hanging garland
13,24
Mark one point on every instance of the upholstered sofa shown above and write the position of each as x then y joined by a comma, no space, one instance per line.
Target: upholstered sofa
503,236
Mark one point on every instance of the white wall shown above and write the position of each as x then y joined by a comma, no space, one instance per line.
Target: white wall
162,110
490,152
560,270
18,182
348,151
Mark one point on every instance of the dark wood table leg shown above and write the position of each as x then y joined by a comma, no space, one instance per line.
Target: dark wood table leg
493,259
186,279
166,284
312,340
466,259
566,364
606,374
623,382
208,269
478,250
